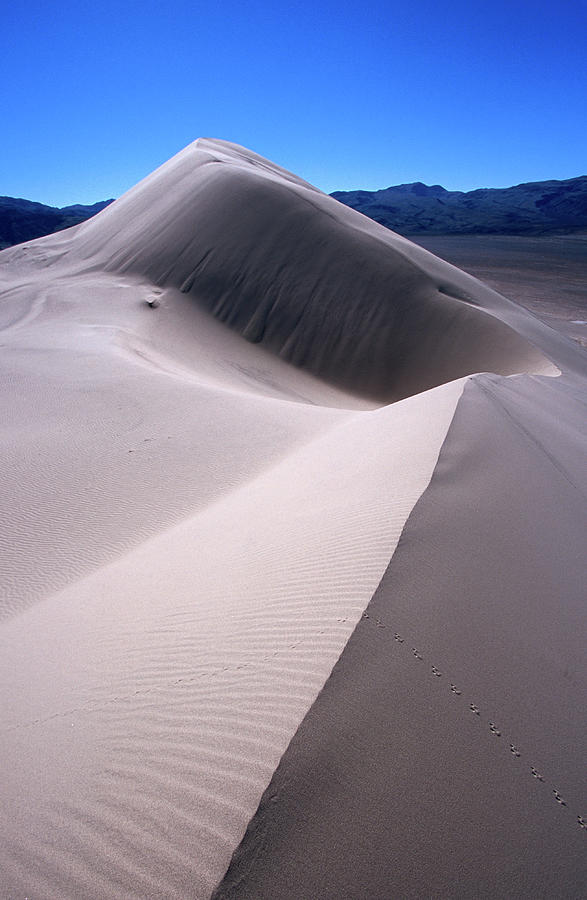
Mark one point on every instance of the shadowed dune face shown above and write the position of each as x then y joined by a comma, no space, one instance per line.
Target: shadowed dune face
286,266
195,529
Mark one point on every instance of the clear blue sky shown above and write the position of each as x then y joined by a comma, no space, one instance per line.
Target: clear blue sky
94,95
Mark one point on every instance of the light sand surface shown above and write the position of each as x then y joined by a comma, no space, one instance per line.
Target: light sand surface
196,516
112,431
162,690
445,756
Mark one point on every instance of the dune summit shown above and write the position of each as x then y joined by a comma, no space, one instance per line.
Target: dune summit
286,266
292,592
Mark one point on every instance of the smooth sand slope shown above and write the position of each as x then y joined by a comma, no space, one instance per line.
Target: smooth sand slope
445,756
197,517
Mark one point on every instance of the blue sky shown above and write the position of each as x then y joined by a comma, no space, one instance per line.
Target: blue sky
466,94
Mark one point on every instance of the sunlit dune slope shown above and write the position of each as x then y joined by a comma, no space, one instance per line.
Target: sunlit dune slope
196,527
291,268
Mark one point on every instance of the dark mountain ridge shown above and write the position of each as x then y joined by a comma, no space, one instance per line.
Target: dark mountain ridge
23,220
537,207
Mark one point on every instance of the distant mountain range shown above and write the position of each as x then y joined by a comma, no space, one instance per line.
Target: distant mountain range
538,207
24,220
534,208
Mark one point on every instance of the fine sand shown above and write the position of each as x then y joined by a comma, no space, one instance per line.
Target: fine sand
223,399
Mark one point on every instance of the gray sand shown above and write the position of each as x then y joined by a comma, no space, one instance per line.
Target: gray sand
445,755
195,527
394,786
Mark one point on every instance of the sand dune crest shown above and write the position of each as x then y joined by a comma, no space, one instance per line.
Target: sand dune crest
293,269
198,515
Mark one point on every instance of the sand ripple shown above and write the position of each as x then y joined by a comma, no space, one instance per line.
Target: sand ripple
140,744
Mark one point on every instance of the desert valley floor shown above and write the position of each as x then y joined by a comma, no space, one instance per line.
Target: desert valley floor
293,552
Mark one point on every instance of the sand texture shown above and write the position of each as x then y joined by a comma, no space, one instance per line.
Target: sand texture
261,516
445,755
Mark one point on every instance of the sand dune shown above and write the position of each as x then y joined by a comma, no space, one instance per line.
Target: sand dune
290,268
195,657
445,755
198,517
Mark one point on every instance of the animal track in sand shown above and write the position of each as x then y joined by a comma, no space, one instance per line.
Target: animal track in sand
513,748
91,706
